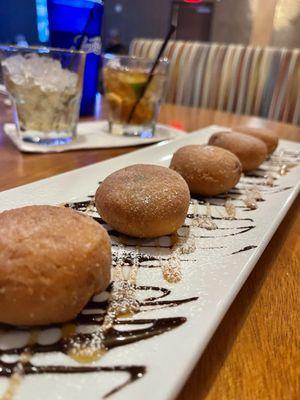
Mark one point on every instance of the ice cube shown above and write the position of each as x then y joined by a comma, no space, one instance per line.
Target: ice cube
42,71
14,67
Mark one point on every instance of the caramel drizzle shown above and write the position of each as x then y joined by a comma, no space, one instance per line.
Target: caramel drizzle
121,303
251,197
204,221
171,266
282,162
269,179
230,209
111,338
18,372
122,298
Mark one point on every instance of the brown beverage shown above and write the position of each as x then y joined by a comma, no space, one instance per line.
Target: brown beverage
123,87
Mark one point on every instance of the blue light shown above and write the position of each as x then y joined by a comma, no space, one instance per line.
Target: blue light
42,20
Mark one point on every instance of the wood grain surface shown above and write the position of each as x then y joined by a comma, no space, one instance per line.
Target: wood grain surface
254,353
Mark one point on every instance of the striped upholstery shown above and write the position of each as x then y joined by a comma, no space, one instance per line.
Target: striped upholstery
245,80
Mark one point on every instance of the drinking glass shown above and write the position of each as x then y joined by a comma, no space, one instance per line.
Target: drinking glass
45,86
125,80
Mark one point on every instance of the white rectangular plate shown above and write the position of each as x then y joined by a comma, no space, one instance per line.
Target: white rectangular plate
180,318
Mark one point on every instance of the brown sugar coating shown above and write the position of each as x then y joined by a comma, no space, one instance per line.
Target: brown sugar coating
143,200
207,170
250,151
268,137
52,261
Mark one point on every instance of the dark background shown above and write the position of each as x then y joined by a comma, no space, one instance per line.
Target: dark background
18,17
231,21
131,18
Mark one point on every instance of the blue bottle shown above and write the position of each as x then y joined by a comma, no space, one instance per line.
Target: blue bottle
74,24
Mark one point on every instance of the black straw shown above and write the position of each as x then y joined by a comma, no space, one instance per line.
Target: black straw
78,45
151,74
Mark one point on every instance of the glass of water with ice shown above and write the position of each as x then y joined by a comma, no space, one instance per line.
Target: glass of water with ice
45,87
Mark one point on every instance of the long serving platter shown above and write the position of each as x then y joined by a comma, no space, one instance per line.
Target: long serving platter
150,353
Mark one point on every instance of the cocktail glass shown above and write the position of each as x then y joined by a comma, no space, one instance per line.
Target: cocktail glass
125,80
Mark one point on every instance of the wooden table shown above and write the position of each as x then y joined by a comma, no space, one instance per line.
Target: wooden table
253,354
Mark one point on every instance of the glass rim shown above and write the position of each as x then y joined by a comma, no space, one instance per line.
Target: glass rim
110,56
38,49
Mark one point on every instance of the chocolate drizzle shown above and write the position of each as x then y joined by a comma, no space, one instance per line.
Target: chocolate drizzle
135,372
191,216
247,248
151,298
93,316
112,338
80,205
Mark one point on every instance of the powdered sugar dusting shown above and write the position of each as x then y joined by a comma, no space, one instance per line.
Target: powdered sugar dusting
201,274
